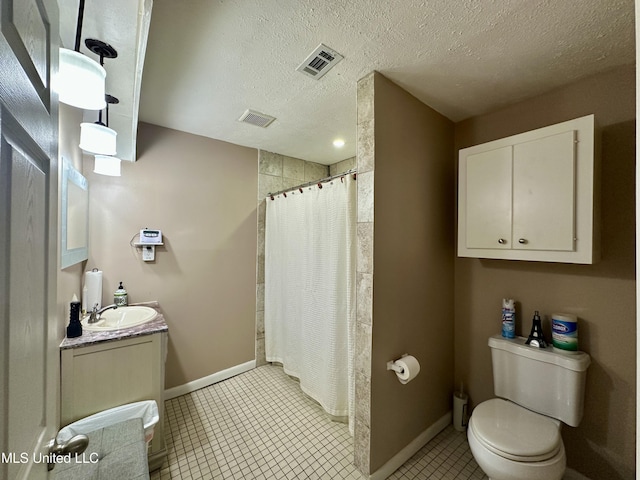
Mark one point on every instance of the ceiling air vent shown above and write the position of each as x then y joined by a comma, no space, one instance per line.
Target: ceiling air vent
256,118
319,62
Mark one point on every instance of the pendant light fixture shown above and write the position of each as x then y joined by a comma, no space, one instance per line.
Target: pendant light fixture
81,80
107,165
97,138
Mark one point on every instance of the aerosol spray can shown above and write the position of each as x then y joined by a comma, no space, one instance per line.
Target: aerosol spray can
508,318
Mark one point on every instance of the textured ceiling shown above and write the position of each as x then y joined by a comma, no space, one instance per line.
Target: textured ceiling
209,60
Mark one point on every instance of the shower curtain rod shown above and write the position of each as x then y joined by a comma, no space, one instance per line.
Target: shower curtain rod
353,171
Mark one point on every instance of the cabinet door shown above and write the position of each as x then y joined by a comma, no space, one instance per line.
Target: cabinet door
544,193
109,374
488,199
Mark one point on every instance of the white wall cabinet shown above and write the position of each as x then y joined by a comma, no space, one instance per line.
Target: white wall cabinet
100,376
532,196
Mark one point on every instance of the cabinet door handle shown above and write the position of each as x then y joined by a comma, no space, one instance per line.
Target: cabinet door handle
522,241
502,241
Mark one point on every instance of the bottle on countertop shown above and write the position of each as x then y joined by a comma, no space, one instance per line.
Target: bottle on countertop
120,296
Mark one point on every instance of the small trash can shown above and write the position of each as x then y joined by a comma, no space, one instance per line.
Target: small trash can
147,410
460,416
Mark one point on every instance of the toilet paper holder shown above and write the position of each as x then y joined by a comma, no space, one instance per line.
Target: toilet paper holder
392,365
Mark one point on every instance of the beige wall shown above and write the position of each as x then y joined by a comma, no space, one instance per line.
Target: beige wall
602,295
201,193
408,169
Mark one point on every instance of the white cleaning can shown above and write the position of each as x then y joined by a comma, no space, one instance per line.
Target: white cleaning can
508,318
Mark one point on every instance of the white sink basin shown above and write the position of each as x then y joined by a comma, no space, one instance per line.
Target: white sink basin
119,318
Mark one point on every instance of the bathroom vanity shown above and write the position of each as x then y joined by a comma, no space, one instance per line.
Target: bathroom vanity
102,370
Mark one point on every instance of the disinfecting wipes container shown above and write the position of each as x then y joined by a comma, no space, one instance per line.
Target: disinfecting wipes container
565,331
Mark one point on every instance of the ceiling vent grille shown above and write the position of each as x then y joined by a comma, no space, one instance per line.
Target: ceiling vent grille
319,62
256,118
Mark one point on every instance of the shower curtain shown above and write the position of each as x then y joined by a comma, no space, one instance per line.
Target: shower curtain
310,290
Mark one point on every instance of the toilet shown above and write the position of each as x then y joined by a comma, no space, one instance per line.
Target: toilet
517,435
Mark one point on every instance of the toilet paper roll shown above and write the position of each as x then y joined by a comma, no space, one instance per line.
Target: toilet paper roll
410,368
93,282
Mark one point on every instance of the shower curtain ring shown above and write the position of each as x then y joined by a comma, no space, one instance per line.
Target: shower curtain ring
320,186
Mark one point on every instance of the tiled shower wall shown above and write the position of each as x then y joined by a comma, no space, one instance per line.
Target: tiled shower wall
343,166
278,172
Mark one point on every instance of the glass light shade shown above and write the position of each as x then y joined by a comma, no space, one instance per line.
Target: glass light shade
106,165
81,81
97,139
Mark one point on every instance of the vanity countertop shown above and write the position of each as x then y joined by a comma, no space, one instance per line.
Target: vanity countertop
157,325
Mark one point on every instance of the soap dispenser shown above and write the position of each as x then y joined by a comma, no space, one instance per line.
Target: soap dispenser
120,297
536,337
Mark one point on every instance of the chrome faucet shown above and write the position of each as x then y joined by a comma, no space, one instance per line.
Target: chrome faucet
94,316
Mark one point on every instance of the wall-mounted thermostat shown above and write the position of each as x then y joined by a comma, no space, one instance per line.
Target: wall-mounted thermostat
149,240
150,237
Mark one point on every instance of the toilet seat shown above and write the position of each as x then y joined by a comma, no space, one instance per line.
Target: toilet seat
515,433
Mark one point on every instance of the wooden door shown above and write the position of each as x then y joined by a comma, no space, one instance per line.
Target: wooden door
29,366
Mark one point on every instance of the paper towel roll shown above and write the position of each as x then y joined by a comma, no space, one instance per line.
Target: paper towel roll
93,282
410,368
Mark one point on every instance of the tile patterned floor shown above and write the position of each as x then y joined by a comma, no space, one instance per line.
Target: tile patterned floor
259,425
445,457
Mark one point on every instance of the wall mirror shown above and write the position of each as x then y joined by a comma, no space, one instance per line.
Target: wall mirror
74,206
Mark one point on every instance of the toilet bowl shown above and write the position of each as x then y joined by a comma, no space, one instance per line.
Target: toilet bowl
510,442
517,435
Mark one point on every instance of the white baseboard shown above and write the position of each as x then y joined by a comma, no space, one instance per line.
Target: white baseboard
410,450
208,380
571,474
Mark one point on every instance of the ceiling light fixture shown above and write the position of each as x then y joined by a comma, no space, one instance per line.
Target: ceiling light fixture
98,138
338,143
81,80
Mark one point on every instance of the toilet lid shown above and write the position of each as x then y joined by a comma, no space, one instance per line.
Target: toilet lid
514,432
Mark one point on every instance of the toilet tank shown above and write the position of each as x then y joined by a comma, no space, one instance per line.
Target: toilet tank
546,380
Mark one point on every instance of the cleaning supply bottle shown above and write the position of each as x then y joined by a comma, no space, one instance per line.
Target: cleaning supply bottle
75,327
508,318
120,296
